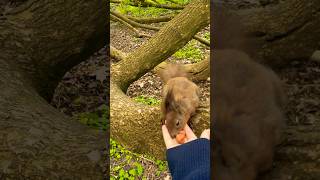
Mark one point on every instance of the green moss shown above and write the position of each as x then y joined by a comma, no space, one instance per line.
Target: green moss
147,100
190,51
98,119
127,9
141,11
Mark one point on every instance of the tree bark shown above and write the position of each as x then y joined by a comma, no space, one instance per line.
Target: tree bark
73,36
298,156
150,20
137,126
281,33
40,41
117,54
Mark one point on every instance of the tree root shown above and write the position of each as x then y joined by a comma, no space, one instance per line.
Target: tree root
117,54
149,20
136,32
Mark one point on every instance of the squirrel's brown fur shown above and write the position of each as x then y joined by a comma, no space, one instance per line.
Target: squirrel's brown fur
180,98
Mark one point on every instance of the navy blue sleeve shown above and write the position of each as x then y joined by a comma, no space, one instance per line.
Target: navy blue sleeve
190,161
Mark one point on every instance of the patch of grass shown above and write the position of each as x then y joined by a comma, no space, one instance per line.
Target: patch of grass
190,51
125,8
181,2
128,165
147,100
141,11
97,119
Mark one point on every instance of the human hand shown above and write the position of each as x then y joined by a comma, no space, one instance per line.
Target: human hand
190,136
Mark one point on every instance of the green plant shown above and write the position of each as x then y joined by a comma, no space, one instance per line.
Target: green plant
190,51
147,100
207,36
127,164
125,8
98,119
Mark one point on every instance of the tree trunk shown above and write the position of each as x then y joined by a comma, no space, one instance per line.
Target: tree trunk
40,41
281,33
298,156
46,39
137,126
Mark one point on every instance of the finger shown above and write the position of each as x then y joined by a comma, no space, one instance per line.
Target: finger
205,134
189,133
166,137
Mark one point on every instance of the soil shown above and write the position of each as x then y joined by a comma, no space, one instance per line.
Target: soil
85,87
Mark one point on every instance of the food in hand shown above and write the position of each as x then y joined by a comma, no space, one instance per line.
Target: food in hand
181,137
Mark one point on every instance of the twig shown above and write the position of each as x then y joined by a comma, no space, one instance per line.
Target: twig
133,23
137,34
202,40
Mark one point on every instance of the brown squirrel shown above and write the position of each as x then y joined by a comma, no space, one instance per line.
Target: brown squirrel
180,98
247,97
247,117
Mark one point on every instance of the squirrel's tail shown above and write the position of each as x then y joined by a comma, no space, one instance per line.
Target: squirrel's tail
172,71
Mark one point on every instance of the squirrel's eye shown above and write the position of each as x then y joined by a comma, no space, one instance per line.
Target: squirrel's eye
177,123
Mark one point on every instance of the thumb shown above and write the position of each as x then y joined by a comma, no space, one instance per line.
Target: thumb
205,134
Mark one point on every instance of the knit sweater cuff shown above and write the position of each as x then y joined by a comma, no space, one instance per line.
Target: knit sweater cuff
190,160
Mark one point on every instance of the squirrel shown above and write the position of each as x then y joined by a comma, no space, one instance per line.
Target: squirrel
248,100
180,98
